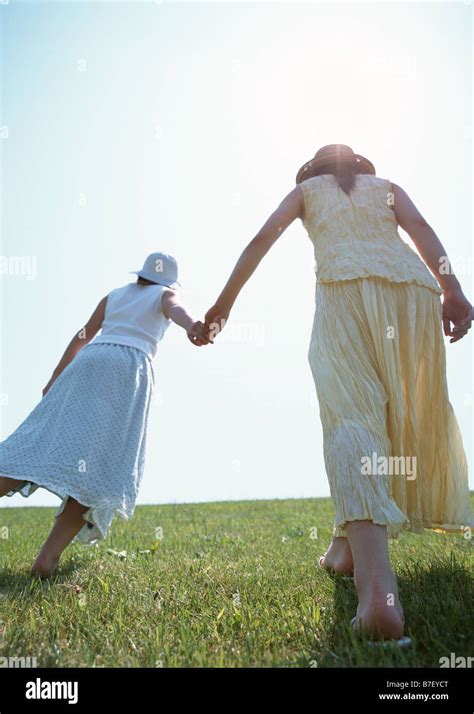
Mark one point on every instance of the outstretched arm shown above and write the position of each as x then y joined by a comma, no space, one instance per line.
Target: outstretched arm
290,208
456,307
80,340
174,310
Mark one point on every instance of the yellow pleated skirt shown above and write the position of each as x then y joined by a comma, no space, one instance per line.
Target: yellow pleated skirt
392,446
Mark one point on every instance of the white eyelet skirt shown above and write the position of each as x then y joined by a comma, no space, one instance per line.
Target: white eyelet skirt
86,438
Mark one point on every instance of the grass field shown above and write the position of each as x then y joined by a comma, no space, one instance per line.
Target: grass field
221,584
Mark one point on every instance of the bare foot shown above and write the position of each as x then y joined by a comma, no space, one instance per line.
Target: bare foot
44,566
338,558
379,614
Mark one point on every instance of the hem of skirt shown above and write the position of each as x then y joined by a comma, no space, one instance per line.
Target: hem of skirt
344,278
394,529
90,533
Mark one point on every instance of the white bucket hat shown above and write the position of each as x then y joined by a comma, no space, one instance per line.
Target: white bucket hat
160,268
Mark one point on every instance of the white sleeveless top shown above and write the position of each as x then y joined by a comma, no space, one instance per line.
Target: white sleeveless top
133,316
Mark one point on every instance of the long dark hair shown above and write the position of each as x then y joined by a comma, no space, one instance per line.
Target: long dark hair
344,172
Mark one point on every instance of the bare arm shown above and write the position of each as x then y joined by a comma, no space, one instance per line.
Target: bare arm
424,237
80,340
174,310
290,208
456,307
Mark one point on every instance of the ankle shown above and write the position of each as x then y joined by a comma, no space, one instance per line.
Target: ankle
48,555
375,579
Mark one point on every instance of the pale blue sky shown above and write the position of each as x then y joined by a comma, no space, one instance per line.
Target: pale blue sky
135,127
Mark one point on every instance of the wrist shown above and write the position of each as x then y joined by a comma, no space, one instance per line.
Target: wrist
452,290
188,324
224,305
450,284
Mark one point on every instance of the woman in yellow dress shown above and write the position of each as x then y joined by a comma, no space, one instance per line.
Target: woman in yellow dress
392,446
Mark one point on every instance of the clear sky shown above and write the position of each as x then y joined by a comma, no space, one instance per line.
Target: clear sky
134,127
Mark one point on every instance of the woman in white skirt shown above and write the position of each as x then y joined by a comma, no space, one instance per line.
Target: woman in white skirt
85,440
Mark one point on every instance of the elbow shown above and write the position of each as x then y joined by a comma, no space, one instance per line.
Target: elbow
415,221
85,335
414,226
420,223
262,242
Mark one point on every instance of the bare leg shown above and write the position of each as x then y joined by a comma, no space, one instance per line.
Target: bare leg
8,484
338,557
379,613
66,526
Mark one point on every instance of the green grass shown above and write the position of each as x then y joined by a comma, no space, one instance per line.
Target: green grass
229,584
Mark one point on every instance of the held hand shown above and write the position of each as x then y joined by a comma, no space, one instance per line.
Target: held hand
198,334
458,311
216,318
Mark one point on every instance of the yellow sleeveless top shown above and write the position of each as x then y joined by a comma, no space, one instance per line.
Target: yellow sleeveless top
356,236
